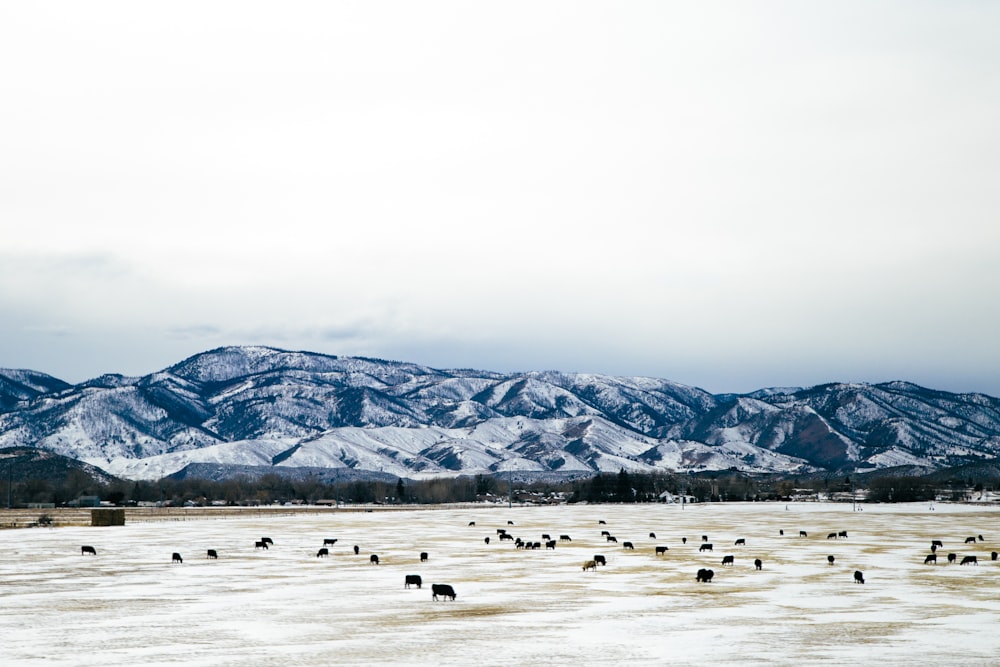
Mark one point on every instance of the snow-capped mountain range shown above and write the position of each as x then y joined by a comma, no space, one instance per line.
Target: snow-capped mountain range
263,407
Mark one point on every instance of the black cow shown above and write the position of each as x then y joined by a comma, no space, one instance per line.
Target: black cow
601,560
373,559
472,523
627,545
740,542
487,539
803,533
758,563
684,540
981,539
546,536
952,557
970,539
781,531
423,556
931,558
510,523
501,531
84,550
704,538
550,544
842,533
831,536
605,533
506,536
212,553
859,578
830,559
969,559
260,545
933,548
322,553
705,547
267,540
357,549
329,541
601,522
652,536
660,551
704,575
937,543
565,538
444,590
728,560
993,555
413,579
176,558
612,538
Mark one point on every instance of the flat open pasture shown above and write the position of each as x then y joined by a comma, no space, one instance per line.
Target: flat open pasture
130,604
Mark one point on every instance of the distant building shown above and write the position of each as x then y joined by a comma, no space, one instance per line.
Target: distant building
670,498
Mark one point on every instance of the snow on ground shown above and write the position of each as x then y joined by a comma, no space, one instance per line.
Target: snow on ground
130,605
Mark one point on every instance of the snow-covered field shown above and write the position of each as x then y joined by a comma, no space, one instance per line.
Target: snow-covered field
129,605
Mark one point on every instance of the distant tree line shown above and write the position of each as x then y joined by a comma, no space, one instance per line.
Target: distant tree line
621,487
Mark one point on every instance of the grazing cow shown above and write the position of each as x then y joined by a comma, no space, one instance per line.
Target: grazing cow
842,533
601,522
373,559
830,559
506,536
176,558
565,538
740,542
705,547
859,578
423,556
993,555
758,563
590,565
510,523
501,531
519,543
322,553
981,539
546,536
212,553
260,545
931,558
329,541
357,549
536,545
84,550
444,590
605,533
781,531
652,536
970,539
627,545
803,533
704,575
600,560
267,540
728,560
413,579
487,539
969,559
550,544
612,538
937,543
660,551
933,548
704,538
831,536
472,523
952,557
684,540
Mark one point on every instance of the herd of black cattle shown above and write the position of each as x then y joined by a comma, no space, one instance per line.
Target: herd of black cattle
703,575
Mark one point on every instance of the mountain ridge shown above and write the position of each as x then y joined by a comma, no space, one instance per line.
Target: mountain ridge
260,405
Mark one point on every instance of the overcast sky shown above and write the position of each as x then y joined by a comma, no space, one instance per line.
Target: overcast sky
731,195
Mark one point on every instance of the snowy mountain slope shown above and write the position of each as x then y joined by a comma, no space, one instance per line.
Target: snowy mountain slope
253,406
